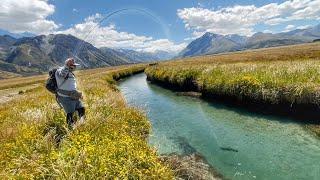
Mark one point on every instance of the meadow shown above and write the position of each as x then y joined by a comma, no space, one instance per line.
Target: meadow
287,77
36,144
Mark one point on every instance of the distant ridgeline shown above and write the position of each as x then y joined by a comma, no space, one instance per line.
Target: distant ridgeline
211,43
31,55
34,55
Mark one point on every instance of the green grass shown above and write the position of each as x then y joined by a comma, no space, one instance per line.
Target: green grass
111,144
285,75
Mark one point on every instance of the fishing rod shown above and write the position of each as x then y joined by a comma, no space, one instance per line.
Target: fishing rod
81,44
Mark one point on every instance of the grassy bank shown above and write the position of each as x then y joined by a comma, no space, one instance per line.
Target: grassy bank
285,77
35,142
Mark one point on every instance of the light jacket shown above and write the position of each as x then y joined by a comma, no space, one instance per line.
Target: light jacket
70,84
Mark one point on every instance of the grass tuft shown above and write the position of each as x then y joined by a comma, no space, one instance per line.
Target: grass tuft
35,142
288,76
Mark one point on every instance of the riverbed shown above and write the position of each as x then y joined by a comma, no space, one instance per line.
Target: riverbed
238,143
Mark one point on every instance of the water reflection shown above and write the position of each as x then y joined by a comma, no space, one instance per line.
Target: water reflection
241,144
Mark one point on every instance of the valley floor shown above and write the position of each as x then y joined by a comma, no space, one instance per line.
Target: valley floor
35,142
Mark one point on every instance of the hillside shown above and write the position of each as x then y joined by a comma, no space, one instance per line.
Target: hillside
121,53
16,69
138,56
6,74
211,43
30,55
6,42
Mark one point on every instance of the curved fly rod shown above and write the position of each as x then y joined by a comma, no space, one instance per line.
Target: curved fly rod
80,45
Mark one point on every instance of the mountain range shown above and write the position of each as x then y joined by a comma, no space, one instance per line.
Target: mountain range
34,55
38,54
211,43
139,56
16,35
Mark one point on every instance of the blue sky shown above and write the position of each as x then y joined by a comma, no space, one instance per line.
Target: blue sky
163,25
71,12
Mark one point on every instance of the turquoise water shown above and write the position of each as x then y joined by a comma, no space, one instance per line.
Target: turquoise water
267,147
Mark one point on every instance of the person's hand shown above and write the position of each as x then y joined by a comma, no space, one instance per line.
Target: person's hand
77,95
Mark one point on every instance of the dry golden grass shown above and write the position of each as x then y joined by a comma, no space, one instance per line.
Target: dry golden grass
287,75
6,75
23,81
283,53
36,144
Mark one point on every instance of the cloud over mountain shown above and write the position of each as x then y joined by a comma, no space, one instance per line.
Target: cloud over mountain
27,16
242,19
32,16
108,36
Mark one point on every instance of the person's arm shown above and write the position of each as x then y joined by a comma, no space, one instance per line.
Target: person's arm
63,72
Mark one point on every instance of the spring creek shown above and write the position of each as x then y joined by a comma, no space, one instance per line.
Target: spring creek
238,143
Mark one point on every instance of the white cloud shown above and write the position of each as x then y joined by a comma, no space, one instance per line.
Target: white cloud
19,16
75,10
162,45
190,38
304,27
197,34
242,19
108,36
289,27
267,31
27,16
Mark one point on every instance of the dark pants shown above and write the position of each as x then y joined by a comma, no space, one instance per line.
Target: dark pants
70,120
70,106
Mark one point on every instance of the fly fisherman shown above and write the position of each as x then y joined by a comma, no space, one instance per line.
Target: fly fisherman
67,94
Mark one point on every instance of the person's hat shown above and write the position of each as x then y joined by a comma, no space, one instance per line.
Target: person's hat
71,62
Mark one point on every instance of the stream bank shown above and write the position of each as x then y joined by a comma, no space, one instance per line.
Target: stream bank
309,114
239,144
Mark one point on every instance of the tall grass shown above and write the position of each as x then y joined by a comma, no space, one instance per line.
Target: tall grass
35,143
287,75
271,82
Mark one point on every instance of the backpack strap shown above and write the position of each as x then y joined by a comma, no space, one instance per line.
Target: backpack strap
65,79
71,73
65,92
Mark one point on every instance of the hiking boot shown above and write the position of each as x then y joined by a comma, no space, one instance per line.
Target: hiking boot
81,121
